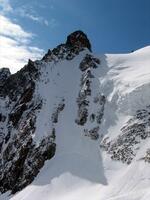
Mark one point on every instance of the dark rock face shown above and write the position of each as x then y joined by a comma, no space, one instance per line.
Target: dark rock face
21,171
58,109
85,66
89,62
78,38
21,158
31,161
62,52
16,115
17,83
4,74
84,99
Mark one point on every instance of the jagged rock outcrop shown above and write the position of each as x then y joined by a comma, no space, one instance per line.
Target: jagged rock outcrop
76,42
16,84
84,99
85,66
58,109
126,145
4,74
21,158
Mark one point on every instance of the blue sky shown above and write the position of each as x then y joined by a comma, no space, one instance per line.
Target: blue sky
113,26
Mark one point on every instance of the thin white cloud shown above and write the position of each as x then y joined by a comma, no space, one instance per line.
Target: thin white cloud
15,45
29,13
14,56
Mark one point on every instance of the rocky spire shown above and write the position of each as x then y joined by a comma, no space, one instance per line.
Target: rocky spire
75,43
78,38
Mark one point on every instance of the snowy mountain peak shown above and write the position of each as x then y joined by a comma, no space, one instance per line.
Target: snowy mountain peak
76,126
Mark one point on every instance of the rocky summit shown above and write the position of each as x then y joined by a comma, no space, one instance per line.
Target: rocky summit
78,38
76,125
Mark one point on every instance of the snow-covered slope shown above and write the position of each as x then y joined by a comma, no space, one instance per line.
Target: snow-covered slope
97,110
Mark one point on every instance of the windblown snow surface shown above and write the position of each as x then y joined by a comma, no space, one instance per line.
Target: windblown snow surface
80,169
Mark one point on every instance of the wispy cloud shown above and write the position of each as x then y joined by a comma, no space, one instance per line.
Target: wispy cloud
14,55
29,13
15,42
10,29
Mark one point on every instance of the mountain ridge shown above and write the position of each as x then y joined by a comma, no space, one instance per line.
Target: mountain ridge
72,121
